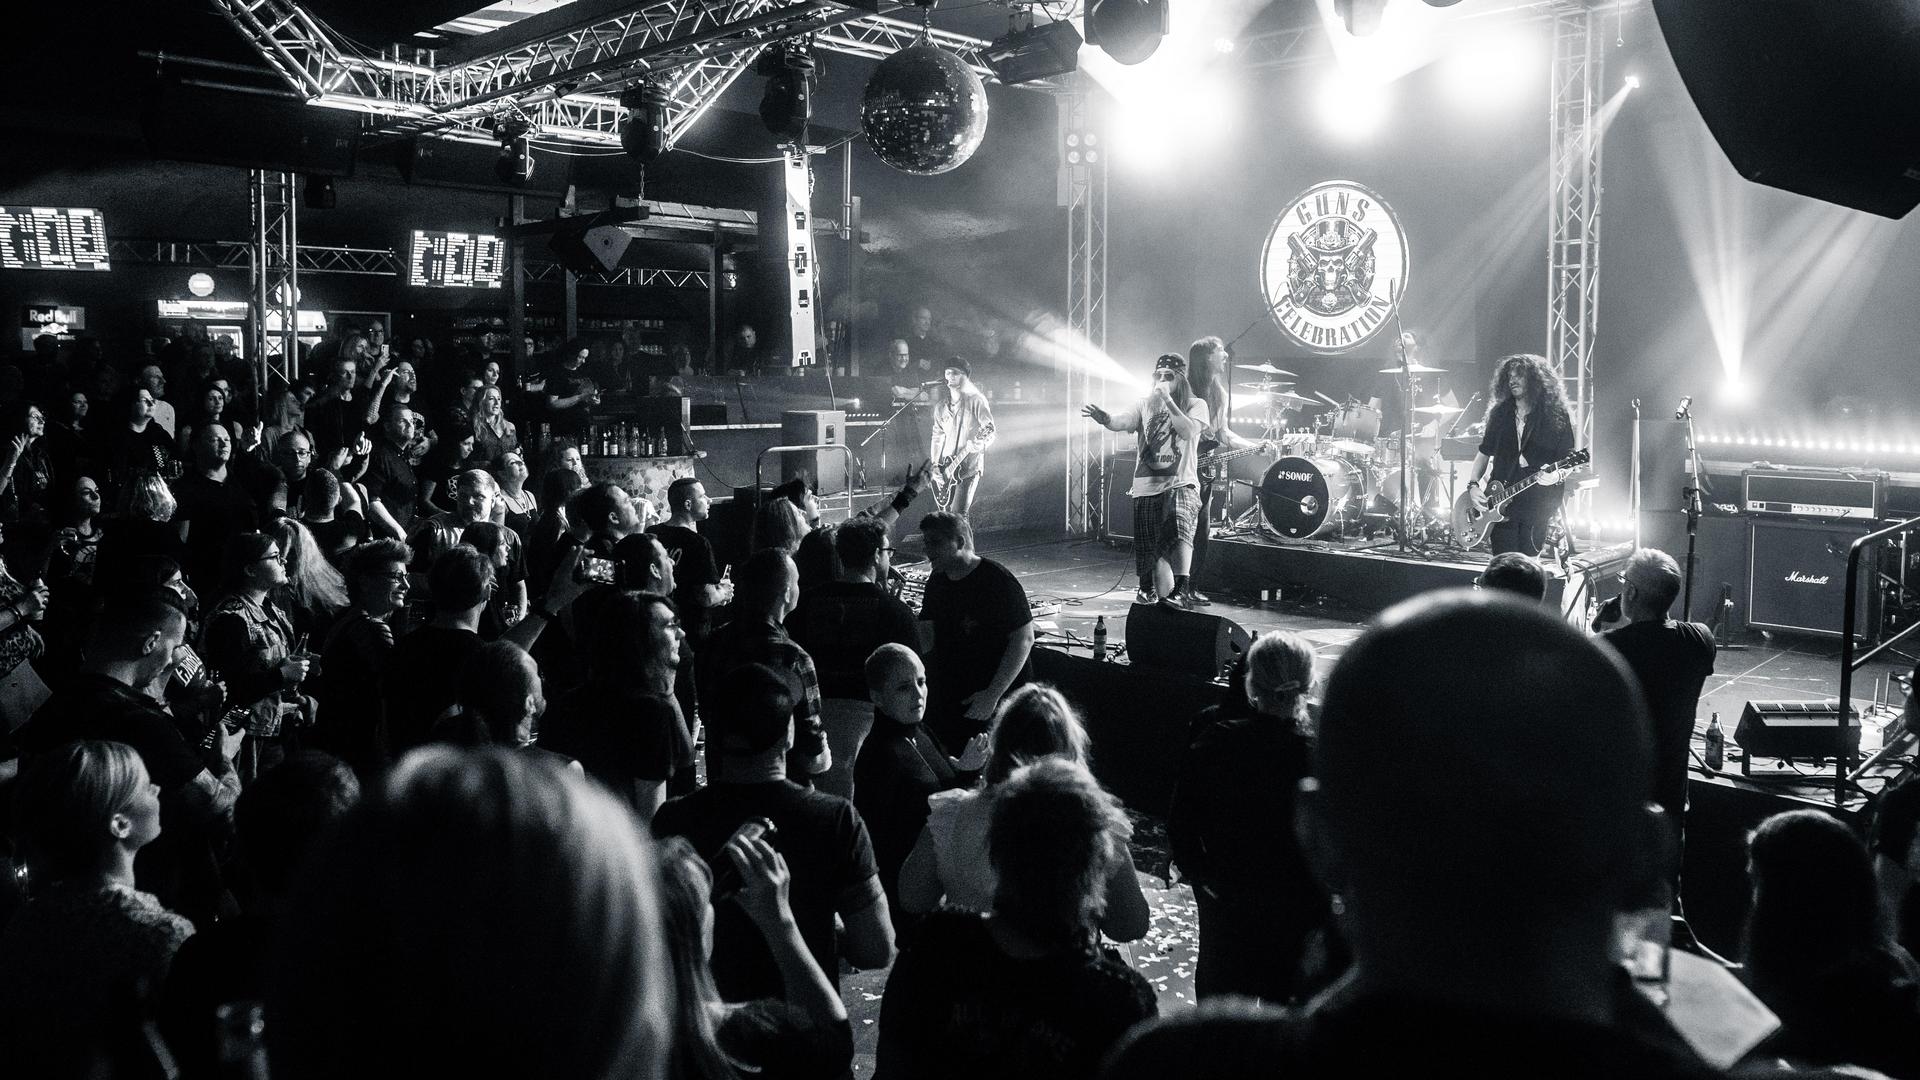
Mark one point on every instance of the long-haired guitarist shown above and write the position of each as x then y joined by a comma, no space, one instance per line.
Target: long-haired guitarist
1527,429
1166,485
962,431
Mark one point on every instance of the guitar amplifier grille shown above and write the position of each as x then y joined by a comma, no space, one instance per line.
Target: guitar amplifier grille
1797,579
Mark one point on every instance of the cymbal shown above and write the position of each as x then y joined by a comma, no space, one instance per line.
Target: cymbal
1270,384
1417,369
1277,401
1289,399
1439,410
1265,368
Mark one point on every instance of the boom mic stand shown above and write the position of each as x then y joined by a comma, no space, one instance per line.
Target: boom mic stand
1690,496
1406,427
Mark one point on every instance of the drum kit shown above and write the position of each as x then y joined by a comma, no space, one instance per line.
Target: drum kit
1337,477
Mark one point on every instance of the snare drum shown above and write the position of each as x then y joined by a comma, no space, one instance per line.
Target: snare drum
1307,497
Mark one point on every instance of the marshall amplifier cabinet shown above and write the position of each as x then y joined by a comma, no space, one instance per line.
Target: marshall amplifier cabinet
1797,577
1833,496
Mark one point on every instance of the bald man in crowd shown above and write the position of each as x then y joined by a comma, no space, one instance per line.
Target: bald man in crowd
1480,807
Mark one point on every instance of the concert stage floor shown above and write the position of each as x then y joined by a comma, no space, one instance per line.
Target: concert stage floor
1087,579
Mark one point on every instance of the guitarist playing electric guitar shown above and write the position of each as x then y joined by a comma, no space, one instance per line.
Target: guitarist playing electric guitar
962,431
1527,429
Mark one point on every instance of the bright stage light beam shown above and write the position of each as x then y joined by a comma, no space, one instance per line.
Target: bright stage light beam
1633,82
1494,71
1351,105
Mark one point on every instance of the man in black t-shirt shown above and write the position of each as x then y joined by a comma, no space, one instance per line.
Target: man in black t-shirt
129,658
391,482
982,631
571,395
1671,660
357,653
841,622
825,844
697,584
213,507
423,674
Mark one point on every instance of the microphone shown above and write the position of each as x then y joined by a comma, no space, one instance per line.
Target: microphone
1681,412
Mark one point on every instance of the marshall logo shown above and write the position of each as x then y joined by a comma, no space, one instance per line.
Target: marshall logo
1331,264
1798,578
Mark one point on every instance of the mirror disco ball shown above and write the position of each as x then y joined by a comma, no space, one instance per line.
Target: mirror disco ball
924,111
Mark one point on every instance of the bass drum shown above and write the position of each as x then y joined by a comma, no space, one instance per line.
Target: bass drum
1303,498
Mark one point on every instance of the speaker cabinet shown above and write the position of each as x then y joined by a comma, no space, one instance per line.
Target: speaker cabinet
1809,96
1166,638
591,251
1798,578
806,427
1720,564
1119,505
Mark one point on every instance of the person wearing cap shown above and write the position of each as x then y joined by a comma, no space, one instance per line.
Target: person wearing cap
962,431
1166,480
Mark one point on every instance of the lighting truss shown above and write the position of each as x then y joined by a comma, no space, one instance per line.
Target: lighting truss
1086,332
1292,47
275,267
234,255
626,275
1573,240
565,82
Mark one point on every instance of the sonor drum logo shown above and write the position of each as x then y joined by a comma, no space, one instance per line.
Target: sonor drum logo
1799,578
1298,477
1332,264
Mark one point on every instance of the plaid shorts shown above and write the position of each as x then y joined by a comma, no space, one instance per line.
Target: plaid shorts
1160,522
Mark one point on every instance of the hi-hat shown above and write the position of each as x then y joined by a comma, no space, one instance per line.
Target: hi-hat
1270,384
1416,369
1439,410
1268,369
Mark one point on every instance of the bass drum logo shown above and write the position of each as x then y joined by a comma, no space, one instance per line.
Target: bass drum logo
1331,266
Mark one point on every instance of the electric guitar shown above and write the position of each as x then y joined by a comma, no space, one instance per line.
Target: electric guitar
941,482
1209,463
1471,526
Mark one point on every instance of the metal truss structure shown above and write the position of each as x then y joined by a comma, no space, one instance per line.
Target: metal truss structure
1085,345
562,75
1573,236
234,255
275,269
627,275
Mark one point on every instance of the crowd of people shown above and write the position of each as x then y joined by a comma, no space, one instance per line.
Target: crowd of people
313,761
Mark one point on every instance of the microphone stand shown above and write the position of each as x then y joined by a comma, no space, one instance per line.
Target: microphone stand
1690,494
1406,427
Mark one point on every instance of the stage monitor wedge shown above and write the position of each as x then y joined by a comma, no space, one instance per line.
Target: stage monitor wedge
1816,97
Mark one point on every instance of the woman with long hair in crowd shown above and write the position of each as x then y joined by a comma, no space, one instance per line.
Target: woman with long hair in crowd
285,413
557,485
1820,951
250,642
27,493
76,961
315,590
781,525
949,862
70,569
804,1034
208,405
482,913
493,433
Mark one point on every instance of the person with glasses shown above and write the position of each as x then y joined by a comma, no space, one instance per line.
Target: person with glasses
1166,481
840,623
249,642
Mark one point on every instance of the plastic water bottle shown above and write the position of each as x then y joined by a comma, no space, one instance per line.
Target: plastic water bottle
1716,744
1100,637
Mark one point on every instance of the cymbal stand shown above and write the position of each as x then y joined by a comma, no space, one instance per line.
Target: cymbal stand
1407,387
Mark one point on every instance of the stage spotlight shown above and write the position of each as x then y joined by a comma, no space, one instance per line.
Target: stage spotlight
1633,82
1735,391
1036,52
515,164
644,136
1128,30
1223,45
787,105
1350,105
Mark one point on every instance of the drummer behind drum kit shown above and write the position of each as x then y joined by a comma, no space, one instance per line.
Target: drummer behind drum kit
1339,478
